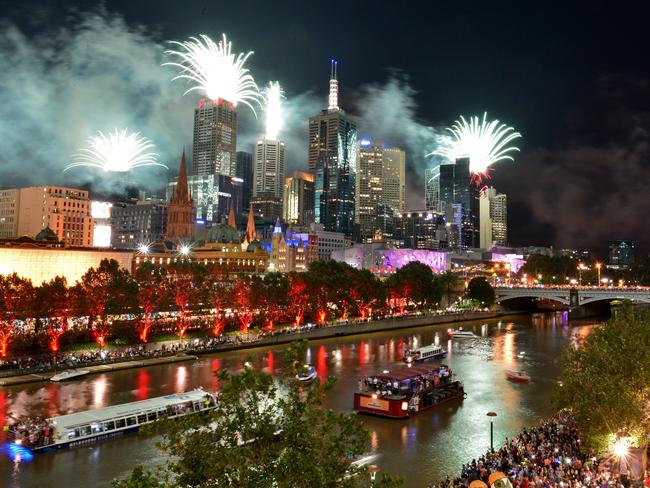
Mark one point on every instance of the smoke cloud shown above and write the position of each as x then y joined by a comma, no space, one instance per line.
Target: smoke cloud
99,73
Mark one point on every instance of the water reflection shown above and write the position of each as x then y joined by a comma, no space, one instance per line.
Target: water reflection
436,441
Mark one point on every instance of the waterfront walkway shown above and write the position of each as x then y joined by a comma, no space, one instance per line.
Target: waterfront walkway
28,369
548,455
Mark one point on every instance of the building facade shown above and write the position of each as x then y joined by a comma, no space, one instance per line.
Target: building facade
394,178
332,150
621,254
369,188
432,189
268,170
137,225
245,173
9,204
215,138
493,218
298,204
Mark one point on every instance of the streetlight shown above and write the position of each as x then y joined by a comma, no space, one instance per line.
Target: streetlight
598,265
491,415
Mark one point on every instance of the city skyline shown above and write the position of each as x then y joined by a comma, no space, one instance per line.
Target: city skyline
535,217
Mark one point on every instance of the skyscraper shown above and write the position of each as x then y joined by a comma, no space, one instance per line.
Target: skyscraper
332,158
180,211
268,172
466,193
215,138
493,218
245,172
432,189
394,178
369,190
298,206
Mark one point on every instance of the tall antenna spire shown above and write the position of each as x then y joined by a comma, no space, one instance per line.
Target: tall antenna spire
333,101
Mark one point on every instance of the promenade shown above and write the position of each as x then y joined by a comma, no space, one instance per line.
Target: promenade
18,371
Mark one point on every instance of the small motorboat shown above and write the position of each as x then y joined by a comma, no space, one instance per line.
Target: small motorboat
309,374
461,334
518,376
423,353
69,374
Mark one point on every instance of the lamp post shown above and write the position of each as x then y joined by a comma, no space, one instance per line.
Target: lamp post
598,265
491,415
579,274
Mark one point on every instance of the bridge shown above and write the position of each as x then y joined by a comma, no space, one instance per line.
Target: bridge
573,296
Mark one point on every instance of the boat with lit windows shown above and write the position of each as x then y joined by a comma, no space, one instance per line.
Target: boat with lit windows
407,391
461,334
518,376
82,428
69,374
424,353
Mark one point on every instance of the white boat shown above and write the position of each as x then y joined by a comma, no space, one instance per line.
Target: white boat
309,374
85,427
69,374
423,353
461,334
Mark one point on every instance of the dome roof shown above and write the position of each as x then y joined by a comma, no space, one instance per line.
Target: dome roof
222,233
47,234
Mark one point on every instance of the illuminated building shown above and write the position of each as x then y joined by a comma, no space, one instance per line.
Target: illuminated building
64,210
493,218
245,173
332,152
432,189
180,211
45,258
135,225
394,178
102,229
9,203
621,254
467,193
378,259
326,241
268,170
369,187
421,230
298,205
215,138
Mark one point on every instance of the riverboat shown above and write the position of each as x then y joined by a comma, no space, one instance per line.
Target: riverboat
69,374
308,375
423,353
407,391
518,376
92,425
461,334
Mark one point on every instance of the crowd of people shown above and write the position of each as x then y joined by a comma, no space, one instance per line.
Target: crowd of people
32,432
547,456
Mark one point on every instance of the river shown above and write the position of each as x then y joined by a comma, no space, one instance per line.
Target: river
422,449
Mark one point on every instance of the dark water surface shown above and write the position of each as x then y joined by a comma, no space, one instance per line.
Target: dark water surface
423,449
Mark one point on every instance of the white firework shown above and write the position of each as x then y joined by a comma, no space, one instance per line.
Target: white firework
273,96
117,152
215,70
484,143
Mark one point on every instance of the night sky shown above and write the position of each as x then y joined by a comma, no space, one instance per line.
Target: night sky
574,80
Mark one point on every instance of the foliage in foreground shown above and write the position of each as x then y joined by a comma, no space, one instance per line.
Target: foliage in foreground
607,380
264,433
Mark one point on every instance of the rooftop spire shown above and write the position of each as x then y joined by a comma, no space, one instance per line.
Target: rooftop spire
333,100
182,192
251,234
231,217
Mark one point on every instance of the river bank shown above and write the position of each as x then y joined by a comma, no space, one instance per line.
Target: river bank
192,348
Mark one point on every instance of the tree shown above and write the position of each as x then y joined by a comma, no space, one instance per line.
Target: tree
243,302
298,296
184,284
271,295
606,380
414,282
480,290
448,281
16,298
150,280
264,433
56,301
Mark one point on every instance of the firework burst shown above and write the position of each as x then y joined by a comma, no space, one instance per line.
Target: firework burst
117,152
273,96
214,70
484,143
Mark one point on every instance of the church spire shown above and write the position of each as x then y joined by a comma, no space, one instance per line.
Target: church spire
180,211
182,192
231,217
251,234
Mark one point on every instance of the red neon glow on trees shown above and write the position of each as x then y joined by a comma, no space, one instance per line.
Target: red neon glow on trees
243,302
322,315
16,296
56,300
150,280
298,295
